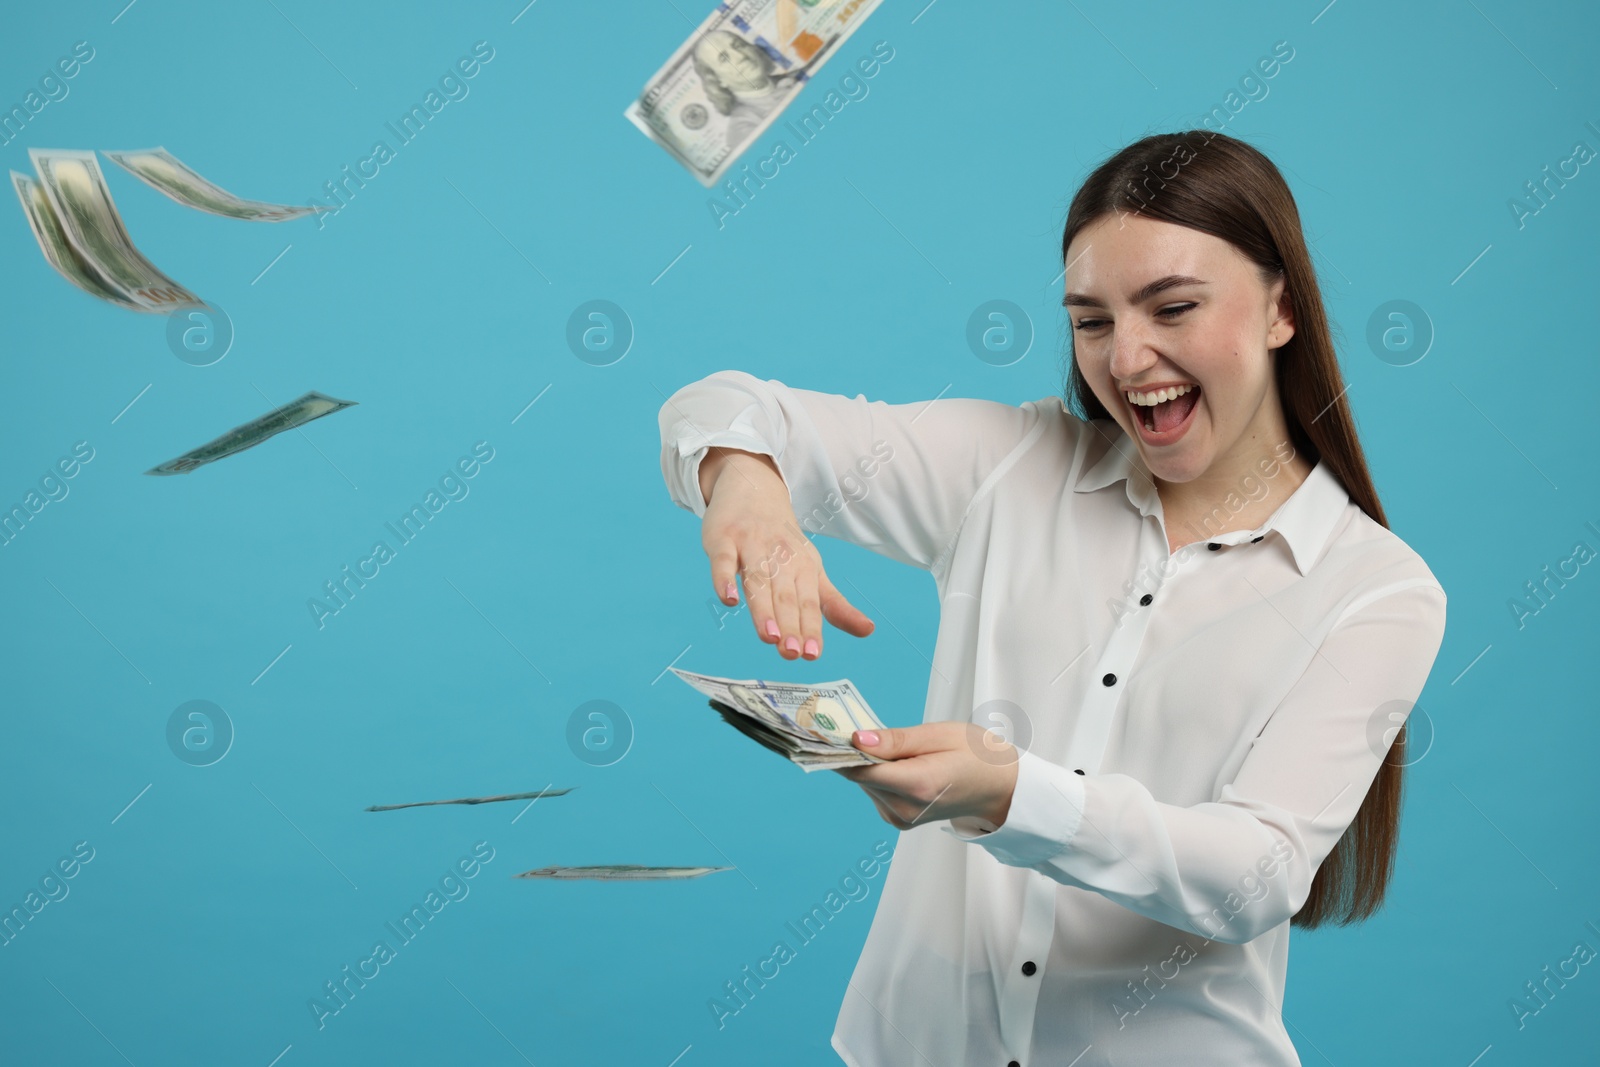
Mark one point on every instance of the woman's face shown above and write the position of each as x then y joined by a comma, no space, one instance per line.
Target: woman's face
1211,333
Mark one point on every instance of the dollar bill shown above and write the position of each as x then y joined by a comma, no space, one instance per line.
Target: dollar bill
164,172
77,191
535,795
57,249
620,872
810,725
313,405
736,74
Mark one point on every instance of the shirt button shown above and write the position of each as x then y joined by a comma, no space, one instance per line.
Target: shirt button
1144,601
1013,1063
1253,540
1028,968
1109,679
1077,770
1213,546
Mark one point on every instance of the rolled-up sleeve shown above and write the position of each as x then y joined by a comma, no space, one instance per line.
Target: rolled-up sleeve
1236,867
893,478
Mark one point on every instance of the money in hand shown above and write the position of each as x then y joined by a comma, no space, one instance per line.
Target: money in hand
313,405
76,189
620,872
165,173
810,725
736,74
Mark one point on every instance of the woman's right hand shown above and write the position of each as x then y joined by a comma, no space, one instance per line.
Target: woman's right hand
750,529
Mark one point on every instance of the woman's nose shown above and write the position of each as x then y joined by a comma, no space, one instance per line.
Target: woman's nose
1131,353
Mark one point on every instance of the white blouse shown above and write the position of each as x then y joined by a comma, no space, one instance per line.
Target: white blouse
1197,728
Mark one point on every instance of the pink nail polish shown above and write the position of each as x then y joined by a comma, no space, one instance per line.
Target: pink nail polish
811,646
772,628
730,593
868,737
791,644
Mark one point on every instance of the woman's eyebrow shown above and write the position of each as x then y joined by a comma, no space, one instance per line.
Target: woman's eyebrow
1157,286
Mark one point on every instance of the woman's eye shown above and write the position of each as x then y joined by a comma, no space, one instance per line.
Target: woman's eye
1171,312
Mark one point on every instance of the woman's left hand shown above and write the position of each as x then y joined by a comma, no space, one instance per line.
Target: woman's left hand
937,770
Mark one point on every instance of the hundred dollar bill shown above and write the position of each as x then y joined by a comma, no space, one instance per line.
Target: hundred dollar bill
165,173
620,872
810,725
313,405
735,75
535,795
57,249
78,193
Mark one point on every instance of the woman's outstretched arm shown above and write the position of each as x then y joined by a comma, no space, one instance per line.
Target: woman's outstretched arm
765,464
1233,868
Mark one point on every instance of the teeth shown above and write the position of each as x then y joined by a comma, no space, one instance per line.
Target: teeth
1150,400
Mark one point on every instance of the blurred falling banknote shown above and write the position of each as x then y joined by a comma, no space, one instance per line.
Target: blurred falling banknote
735,75
58,251
537,794
165,173
620,872
297,413
97,245
810,725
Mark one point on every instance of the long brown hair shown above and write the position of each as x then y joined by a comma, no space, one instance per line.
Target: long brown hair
1214,183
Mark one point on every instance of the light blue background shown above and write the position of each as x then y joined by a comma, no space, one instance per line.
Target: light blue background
223,899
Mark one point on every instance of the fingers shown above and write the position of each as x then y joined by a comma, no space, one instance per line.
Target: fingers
886,812
787,601
810,615
872,778
758,595
805,566
840,611
769,583
886,801
785,588
786,606
728,564
724,567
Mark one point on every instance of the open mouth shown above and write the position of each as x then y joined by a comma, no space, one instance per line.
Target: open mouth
1170,413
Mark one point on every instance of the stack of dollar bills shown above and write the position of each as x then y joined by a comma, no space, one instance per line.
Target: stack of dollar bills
810,725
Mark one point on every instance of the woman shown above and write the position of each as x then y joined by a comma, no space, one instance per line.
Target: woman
1181,605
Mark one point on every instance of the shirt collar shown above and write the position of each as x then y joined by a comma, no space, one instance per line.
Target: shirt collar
1304,521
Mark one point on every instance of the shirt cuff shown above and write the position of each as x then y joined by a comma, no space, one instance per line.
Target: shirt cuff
1046,810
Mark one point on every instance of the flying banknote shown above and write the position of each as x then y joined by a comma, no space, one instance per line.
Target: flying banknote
58,251
535,795
77,193
619,872
81,233
294,414
735,75
165,173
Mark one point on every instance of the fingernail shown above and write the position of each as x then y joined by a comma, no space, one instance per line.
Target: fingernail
730,593
792,643
867,737
772,628
811,646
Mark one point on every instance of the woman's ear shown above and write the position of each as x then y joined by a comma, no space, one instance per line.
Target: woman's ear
1282,328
